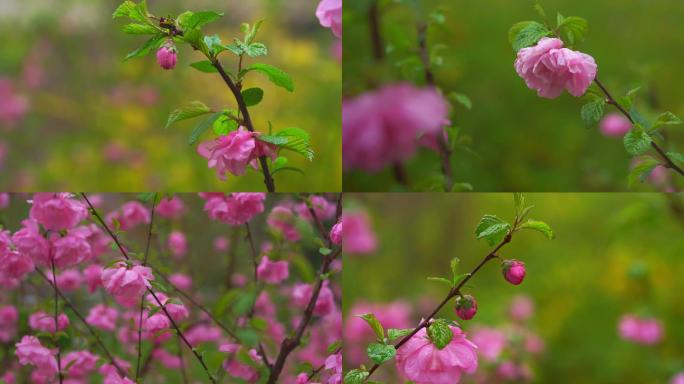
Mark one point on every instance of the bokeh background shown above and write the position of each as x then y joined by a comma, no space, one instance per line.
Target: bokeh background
613,254
92,122
521,141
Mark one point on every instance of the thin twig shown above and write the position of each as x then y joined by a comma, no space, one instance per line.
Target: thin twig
322,366
56,300
142,298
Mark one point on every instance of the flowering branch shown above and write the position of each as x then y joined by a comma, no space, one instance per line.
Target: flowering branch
142,297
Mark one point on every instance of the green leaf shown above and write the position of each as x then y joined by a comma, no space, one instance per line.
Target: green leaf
375,325
380,353
593,111
573,29
139,29
492,229
139,12
194,38
441,280
279,162
204,66
256,49
198,19
667,118
324,251
539,226
252,96
637,141
275,75
454,264
440,334
393,333
355,376
526,33
124,9
289,169
213,44
150,45
462,99
194,109
202,127
627,101
676,157
334,347
159,286
250,33
224,125
293,139
642,170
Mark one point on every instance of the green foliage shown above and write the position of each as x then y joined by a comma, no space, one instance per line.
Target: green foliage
380,353
375,325
526,33
293,139
202,127
274,74
139,29
150,45
204,66
194,109
642,170
664,119
492,229
252,96
439,333
593,111
676,157
393,333
441,280
199,19
355,376
572,30
461,99
637,141
539,226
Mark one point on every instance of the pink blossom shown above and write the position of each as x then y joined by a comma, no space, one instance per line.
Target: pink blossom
8,323
41,321
423,363
157,322
166,55
521,308
272,272
70,250
172,207
103,317
203,334
301,295
69,280
329,13
98,240
221,243
615,124
178,244
382,127
80,363
130,283
92,275
30,351
549,68
466,307
15,265
181,281
13,107
237,368
513,271
4,200
57,211
511,371
264,305
235,209
336,233
358,237
282,219
5,241
175,307
130,215
234,152
678,378
324,209
333,364
490,342
640,330
167,359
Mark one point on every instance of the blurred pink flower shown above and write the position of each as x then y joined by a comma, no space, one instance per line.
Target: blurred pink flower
103,317
178,244
70,250
678,378
172,207
130,215
640,330
615,124
357,235
30,351
282,220
80,363
41,321
329,13
521,308
4,200
235,209
272,272
181,281
8,323
221,243
301,294
13,107
490,342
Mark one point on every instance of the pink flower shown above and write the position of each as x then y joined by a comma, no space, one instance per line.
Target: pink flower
490,342
130,215
175,308
80,363
41,321
511,371
5,241
329,13
172,207
69,280
513,271
15,265
70,250
157,322
423,363
640,330
4,200
221,243
8,323
236,209
521,308
92,275
237,368
130,283
166,55
358,237
357,333
233,152
272,272
98,240
466,307
614,124
549,68
381,128
282,219
322,207
30,351
178,244
103,317
166,359
336,233
301,295
678,378
57,211
13,107
181,281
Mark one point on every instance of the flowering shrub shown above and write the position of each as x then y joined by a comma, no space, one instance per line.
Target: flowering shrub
123,297
238,143
438,350
547,65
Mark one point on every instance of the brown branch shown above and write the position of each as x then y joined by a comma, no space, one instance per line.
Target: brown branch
142,298
376,34
54,339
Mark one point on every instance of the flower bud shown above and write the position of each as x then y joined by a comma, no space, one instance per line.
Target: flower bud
166,55
466,307
513,271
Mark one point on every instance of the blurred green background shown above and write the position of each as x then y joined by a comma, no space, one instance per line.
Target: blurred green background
580,281
96,123
524,142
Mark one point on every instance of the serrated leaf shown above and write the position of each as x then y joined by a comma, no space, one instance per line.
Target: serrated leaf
198,19
213,44
380,353
355,376
124,9
637,141
253,96
676,157
526,34
627,101
667,118
202,127
334,347
642,170
440,334
492,229
256,49
538,226
573,29
139,12
593,111
139,29
274,74
194,109
374,323
293,139
393,333
441,280
204,66
150,45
